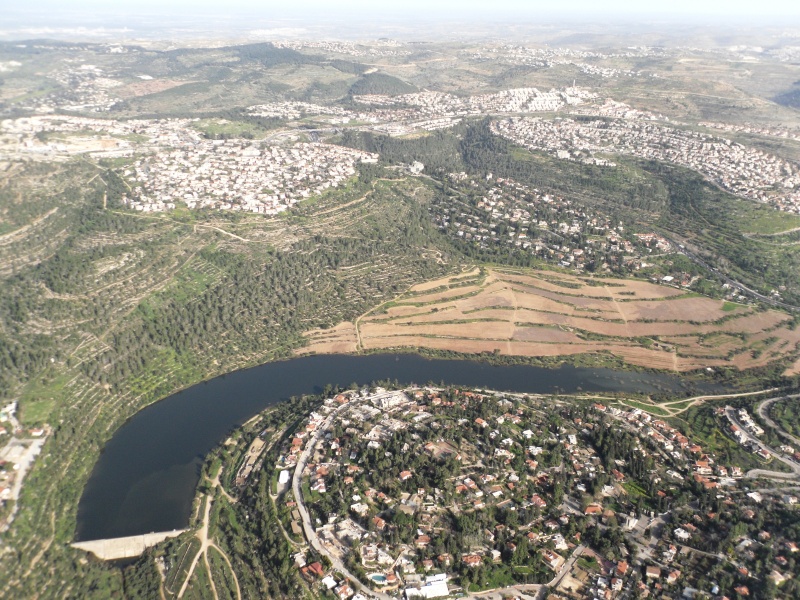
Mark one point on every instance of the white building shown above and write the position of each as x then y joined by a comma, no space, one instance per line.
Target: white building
435,586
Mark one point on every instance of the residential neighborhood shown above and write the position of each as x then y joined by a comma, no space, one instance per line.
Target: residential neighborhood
743,171
499,214
19,448
435,492
236,175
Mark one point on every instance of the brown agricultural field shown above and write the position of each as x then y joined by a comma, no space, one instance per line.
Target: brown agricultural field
542,313
337,340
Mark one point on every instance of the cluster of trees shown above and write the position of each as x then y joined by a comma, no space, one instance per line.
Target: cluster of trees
380,83
716,222
721,526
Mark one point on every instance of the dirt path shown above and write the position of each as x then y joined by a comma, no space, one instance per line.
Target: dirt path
616,305
700,399
45,547
228,233
194,226
161,579
210,575
205,544
217,484
202,535
327,211
9,237
230,566
669,408
776,234
514,321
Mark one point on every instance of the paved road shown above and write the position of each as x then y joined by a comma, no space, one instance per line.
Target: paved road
531,591
763,473
763,412
308,527
524,592
737,284
556,581
731,414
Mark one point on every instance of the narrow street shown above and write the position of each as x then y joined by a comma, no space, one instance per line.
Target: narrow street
308,527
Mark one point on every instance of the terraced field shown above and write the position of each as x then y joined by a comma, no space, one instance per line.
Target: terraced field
542,313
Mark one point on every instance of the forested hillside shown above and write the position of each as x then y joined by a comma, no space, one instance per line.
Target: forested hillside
125,308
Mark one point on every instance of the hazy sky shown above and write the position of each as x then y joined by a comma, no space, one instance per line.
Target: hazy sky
421,8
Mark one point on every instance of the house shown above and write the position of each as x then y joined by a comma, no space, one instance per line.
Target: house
673,576
472,560
552,560
652,573
593,509
316,569
742,590
344,591
405,475
622,568
682,534
538,501
435,586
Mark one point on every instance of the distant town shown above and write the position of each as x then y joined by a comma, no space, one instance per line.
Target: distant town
747,173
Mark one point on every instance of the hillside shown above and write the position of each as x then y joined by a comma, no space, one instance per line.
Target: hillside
551,314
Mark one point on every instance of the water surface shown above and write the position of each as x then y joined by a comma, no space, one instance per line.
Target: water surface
146,476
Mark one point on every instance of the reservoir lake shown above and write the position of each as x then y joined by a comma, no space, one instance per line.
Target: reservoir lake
146,476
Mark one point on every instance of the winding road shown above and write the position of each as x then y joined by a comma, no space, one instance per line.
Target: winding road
763,412
308,527
761,409
683,249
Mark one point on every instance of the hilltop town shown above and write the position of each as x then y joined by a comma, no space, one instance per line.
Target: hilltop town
748,173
